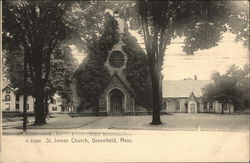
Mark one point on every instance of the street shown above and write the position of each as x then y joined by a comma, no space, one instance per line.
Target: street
177,122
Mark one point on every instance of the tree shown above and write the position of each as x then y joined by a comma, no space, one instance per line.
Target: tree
36,29
241,78
87,24
239,21
201,22
229,88
62,66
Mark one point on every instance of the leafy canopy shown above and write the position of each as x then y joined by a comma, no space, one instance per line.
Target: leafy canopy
233,86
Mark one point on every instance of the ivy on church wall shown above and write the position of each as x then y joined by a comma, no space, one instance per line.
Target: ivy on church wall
92,77
137,71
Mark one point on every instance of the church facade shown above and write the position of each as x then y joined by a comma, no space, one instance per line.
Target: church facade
118,98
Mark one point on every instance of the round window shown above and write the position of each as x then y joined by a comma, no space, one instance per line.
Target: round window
116,59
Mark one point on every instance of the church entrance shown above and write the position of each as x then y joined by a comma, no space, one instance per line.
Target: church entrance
116,102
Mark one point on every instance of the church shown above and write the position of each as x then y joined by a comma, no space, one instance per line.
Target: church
118,97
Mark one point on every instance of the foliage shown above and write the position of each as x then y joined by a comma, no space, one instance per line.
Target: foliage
91,76
231,87
35,28
239,21
62,67
86,22
137,71
13,68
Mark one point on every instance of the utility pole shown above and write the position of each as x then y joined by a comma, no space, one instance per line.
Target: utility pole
25,94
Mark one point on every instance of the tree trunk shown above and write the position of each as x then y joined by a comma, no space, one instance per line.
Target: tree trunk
25,94
97,108
40,114
155,78
46,107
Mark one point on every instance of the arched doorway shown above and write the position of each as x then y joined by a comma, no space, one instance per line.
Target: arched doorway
116,101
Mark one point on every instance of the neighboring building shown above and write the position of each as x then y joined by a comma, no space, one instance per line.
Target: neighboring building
8,99
184,96
12,101
55,106
29,104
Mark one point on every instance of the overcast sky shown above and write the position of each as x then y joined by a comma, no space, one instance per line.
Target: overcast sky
177,65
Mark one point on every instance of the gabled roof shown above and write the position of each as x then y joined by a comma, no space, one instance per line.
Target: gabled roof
191,96
4,88
183,88
123,83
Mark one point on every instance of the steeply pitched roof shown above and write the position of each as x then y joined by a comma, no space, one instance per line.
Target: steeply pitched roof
4,88
183,88
123,82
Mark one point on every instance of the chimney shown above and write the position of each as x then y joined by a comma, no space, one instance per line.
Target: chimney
195,77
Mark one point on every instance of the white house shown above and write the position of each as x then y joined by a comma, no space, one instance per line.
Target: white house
29,104
12,101
8,99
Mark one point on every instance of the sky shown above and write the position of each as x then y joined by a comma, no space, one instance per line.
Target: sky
177,65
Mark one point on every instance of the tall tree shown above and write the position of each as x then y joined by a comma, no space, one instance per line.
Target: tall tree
37,27
200,22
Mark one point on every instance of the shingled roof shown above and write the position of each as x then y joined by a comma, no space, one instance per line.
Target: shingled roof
183,88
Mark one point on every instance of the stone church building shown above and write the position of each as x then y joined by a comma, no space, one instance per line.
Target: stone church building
118,97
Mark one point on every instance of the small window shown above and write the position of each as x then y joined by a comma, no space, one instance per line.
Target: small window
53,101
225,106
7,106
17,106
177,105
17,97
54,108
7,90
7,98
205,105
27,106
210,106
164,107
